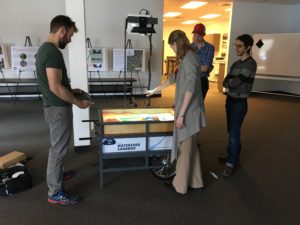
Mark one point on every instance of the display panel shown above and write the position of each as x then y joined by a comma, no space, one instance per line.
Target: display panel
145,114
23,58
136,60
127,116
97,59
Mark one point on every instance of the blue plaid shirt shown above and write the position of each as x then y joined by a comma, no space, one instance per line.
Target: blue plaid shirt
206,56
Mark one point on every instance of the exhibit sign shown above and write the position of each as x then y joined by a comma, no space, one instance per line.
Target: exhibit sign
113,145
135,144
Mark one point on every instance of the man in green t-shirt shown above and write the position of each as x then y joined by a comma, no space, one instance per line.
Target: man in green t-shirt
58,99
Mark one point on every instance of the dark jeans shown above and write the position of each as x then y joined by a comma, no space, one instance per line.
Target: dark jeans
236,110
204,86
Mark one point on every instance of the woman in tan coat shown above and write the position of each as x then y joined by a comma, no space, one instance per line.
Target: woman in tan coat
189,114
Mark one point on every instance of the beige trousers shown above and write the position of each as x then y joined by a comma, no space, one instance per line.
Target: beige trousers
188,167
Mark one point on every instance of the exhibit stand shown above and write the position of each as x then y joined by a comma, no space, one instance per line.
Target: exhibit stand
135,133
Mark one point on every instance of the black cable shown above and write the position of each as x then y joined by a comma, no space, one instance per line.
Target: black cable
125,47
149,64
147,12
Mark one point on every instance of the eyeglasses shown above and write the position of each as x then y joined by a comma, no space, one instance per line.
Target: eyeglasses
238,46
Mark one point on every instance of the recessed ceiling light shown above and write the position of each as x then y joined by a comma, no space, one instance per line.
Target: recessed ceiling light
193,5
172,14
210,16
190,21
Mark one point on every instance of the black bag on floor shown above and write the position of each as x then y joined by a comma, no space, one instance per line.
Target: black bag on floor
14,179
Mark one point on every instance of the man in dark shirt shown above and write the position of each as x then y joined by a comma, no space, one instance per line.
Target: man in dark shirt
239,82
58,99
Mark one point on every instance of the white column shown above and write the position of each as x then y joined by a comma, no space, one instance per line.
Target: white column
78,70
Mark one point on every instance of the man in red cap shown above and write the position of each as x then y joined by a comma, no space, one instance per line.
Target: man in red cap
205,52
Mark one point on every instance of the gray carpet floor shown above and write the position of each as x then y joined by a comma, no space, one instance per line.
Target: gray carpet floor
263,191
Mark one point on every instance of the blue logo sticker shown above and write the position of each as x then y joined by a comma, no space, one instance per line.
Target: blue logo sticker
110,141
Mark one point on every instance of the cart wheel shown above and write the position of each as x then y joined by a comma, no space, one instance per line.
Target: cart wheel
167,170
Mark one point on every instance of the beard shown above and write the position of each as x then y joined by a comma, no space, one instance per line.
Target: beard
63,42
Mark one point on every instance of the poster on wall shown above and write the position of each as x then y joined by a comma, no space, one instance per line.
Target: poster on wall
23,58
118,59
97,59
136,59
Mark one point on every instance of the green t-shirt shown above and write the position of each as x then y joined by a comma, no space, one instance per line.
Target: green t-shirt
49,56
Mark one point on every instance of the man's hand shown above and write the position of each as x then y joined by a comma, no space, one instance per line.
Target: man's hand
83,104
77,90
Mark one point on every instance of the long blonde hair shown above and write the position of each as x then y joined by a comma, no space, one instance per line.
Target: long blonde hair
182,42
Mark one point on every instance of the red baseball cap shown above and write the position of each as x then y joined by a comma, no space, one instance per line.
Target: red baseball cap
199,29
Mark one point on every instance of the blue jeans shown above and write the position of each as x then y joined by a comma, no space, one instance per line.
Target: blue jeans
236,110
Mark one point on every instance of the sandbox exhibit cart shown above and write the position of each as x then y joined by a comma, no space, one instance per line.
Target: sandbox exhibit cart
144,133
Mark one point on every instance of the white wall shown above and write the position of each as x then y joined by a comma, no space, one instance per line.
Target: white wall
105,23
19,18
255,18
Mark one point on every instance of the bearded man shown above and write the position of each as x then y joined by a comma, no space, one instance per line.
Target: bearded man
58,99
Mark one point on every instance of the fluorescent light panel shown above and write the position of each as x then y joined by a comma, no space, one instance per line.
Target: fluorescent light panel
190,21
210,16
193,5
172,14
